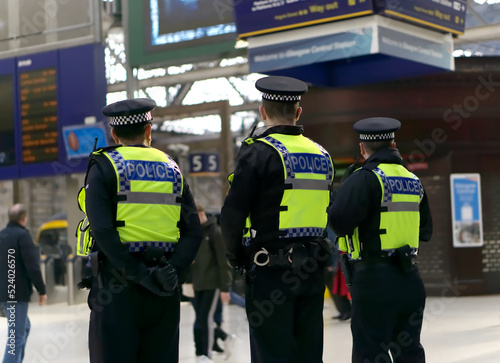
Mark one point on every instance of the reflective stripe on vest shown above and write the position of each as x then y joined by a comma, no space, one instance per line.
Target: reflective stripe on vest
308,173
149,189
399,211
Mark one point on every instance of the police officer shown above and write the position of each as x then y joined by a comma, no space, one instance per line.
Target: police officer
382,211
273,220
147,231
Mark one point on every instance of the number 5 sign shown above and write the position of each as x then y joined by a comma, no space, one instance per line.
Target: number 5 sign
204,163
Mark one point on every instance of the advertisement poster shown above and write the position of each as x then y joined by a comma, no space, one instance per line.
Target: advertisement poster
467,220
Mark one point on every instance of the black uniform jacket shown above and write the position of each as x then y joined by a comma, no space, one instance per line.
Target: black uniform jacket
101,211
26,260
357,203
256,190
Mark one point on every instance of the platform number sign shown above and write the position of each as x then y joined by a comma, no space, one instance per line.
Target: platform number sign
204,163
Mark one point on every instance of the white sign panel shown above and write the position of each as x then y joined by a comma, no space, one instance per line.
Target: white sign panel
467,219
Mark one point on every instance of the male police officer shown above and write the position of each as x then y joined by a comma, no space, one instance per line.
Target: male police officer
281,183
383,212
147,232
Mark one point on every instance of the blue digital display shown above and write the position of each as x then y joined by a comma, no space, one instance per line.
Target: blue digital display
47,92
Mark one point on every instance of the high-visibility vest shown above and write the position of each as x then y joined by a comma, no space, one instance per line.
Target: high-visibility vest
399,212
148,196
308,173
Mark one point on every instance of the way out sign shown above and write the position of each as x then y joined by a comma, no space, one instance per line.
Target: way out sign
467,219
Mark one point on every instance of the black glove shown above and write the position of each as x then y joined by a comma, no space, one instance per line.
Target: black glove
161,280
165,275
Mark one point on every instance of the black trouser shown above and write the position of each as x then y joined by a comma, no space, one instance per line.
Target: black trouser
129,324
387,312
205,304
285,314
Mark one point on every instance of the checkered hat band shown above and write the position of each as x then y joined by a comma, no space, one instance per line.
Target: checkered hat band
377,137
281,98
130,119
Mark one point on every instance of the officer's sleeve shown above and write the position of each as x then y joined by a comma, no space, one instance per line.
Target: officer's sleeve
101,213
353,202
237,205
425,230
191,234
30,259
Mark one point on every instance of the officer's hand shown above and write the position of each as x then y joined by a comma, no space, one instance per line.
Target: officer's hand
165,275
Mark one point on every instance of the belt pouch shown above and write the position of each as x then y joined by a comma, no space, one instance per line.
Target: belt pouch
403,259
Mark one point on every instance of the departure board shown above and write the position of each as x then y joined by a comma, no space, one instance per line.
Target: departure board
39,129
7,118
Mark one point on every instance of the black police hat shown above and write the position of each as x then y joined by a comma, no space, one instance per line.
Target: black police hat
376,128
280,88
129,112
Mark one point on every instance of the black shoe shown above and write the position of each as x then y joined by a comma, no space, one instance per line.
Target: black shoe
346,316
217,349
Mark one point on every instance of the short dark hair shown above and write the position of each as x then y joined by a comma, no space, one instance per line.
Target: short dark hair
283,111
373,146
17,213
130,132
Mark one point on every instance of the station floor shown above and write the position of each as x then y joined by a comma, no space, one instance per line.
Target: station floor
463,329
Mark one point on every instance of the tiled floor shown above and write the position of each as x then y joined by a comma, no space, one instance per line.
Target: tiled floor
456,330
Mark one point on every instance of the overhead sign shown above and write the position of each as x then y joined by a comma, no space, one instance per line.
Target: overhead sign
80,140
443,15
180,31
354,51
40,95
204,163
467,220
267,16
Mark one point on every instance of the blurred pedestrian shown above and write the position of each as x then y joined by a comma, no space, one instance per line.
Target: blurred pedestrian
211,278
20,270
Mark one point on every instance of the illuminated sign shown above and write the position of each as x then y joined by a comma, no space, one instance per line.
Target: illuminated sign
261,17
38,90
40,95
176,31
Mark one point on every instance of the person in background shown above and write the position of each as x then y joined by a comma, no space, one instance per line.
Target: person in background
211,278
335,282
273,223
20,270
380,214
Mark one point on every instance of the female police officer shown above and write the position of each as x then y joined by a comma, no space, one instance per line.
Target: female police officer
147,232
383,212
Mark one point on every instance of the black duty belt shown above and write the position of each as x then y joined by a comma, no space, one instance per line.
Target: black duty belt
374,262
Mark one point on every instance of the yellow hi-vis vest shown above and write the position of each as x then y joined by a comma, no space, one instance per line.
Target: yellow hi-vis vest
399,212
308,173
149,190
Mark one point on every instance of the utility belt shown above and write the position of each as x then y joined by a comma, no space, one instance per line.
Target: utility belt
402,257
359,265
293,255
150,256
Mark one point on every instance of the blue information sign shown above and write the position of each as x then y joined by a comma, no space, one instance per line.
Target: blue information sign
266,16
467,218
445,15
79,141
